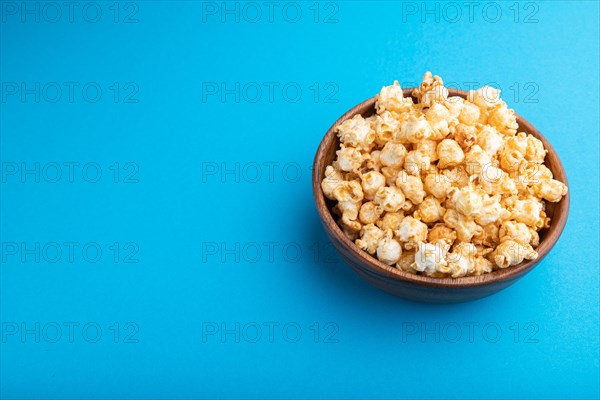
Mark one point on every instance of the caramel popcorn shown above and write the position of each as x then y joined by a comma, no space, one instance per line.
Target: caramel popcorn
411,186
390,221
371,182
430,210
369,238
369,213
392,155
388,249
390,198
349,159
441,186
411,232
407,258
449,153
431,258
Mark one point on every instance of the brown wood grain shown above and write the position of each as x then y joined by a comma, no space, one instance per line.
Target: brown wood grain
420,287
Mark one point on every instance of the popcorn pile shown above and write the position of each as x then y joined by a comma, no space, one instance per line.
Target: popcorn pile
445,187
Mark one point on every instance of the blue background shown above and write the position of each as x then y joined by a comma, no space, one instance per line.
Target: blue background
178,216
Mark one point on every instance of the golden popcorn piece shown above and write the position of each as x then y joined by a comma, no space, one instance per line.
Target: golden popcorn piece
390,221
433,84
458,176
416,162
485,97
356,132
469,114
516,231
348,191
533,173
461,261
431,257
521,142
407,207
503,119
390,174
529,211
437,94
438,117
441,232
437,185
349,196
550,190
389,250
430,210
372,161
464,226
449,153
389,198
429,148
386,127
476,159
414,129
407,258
350,222
510,253
411,186
411,232
489,140
371,182
391,98
465,135
445,187
494,180
487,236
370,235
535,151
467,201
369,213
491,211
333,179
392,155
482,266
513,151
454,104
349,159
535,237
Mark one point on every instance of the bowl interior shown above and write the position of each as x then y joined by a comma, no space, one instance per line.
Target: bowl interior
556,211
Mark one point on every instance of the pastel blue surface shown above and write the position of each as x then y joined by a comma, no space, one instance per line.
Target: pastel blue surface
222,283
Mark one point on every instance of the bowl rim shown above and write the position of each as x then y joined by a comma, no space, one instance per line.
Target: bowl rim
557,224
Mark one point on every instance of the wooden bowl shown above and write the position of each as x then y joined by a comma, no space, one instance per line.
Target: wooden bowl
419,287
